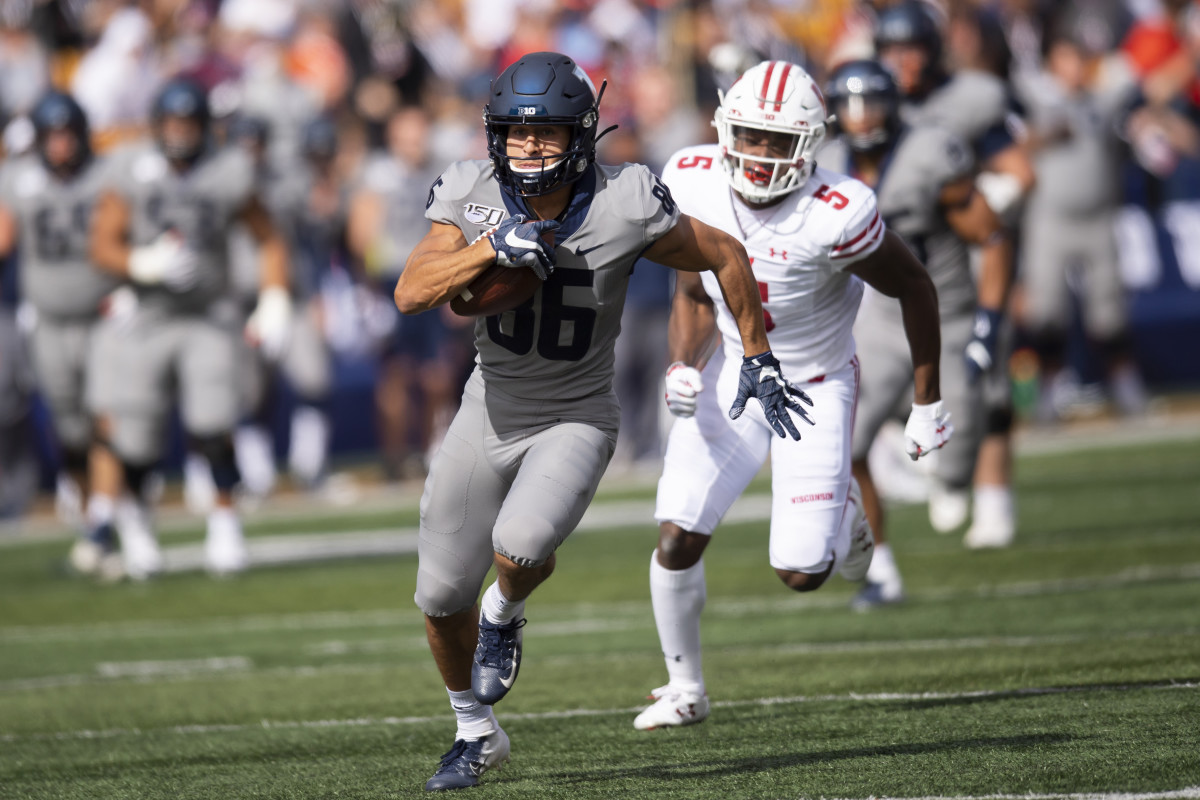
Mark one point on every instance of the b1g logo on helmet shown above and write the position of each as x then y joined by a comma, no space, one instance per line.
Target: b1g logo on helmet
527,111
479,214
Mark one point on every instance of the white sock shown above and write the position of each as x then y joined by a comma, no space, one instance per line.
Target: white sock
475,720
100,510
883,566
255,458
498,608
994,502
309,444
678,598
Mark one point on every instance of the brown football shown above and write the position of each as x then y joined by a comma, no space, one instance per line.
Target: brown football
495,290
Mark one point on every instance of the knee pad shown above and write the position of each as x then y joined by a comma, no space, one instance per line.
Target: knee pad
219,451
999,420
74,460
527,541
135,476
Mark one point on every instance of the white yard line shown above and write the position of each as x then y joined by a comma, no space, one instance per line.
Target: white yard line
566,616
604,712
238,667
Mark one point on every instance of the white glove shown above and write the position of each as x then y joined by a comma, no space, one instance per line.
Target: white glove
927,430
268,327
683,384
167,261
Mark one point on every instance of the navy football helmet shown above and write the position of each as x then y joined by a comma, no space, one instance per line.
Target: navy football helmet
59,111
542,89
185,99
912,22
857,87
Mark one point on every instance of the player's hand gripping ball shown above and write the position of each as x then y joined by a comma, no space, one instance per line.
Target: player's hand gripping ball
524,258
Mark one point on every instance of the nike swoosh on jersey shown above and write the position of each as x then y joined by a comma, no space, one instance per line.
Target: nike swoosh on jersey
582,251
512,240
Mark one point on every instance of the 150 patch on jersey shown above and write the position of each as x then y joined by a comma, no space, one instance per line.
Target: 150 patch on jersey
480,214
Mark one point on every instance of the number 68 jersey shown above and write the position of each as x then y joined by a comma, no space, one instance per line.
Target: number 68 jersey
799,249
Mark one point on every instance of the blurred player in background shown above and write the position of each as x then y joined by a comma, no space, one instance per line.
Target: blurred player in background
425,361
304,360
924,178
538,420
813,236
163,224
975,106
47,199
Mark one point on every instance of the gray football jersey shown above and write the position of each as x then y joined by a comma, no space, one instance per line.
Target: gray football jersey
924,160
53,218
559,345
1080,175
199,205
972,104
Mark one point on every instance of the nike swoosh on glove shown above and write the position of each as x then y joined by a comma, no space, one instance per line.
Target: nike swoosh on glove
928,429
761,377
980,353
519,244
683,384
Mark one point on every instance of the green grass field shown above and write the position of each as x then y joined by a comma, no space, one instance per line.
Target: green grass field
1068,664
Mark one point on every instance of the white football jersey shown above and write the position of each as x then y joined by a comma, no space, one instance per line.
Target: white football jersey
799,250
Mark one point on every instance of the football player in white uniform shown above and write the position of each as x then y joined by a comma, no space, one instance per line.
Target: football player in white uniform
813,237
538,421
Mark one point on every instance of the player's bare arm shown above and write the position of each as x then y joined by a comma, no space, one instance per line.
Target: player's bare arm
692,246
969,215
896,272
439,267
8,232
273,253
693,322
107,242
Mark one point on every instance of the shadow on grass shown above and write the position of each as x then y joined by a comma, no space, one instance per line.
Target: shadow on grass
716,768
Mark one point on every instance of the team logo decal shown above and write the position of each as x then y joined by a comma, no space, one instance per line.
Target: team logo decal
480,214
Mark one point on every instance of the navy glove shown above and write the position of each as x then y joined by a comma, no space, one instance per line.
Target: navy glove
761,378
980,354
519,244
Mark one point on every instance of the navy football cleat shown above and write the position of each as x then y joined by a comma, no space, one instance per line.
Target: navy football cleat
467,760
497,659
874,595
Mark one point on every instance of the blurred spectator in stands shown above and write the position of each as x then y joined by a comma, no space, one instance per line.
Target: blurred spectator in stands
24,62
1164,50
428,356
1073,111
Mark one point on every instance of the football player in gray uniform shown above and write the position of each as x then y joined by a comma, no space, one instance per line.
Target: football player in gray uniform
46,202
976,106
163,224
304,362
924,178
538,420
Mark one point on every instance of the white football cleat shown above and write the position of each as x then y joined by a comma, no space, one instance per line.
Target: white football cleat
948,508
862,540
672,708
224,544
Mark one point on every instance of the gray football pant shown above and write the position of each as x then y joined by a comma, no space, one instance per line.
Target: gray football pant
511,477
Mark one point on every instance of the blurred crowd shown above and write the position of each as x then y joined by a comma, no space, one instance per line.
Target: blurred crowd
368,100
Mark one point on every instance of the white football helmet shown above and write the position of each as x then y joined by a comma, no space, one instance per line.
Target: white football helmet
773,96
